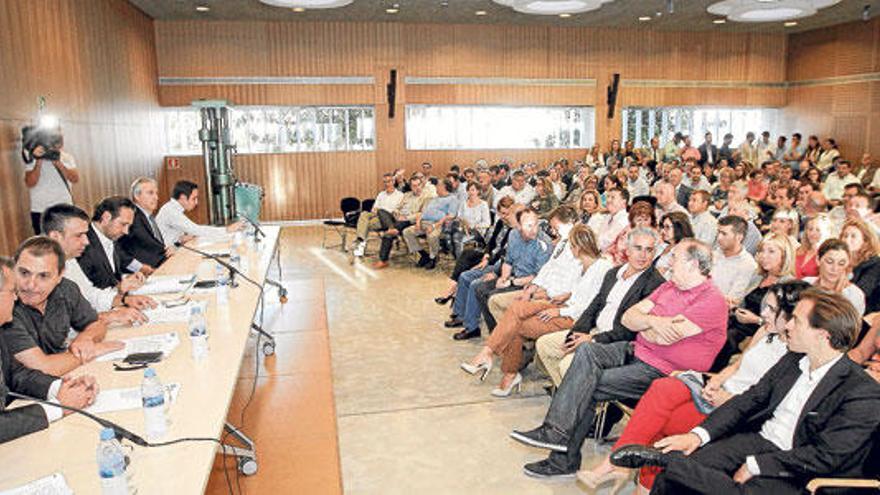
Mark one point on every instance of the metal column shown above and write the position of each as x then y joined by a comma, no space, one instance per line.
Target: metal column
217,151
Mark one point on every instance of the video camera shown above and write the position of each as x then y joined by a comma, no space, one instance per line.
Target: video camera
33,136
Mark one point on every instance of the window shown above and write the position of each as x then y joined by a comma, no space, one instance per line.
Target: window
640,124
277,129
459,127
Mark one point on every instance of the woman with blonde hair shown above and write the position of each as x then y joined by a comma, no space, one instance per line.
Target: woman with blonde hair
775,258
863,248
806,261
589,205
530,319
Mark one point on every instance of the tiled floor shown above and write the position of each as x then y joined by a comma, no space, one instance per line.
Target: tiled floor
408,421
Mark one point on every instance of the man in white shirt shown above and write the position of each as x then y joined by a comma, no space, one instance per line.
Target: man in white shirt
812,415
69,226
704,223
748,152
666,203
732,266
381,216
636,184
695,178
835,182
608,226
176,227
764,146
48,178
521,192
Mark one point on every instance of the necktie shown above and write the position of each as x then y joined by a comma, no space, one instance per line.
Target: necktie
155,228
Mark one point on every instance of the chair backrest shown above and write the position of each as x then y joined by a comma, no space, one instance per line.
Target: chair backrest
367,204
349,204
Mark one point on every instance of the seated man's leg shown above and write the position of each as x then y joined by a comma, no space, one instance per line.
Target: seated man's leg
550,352
463,290
433,238
411,237
498,303
472,309
363,225
483,298
710,469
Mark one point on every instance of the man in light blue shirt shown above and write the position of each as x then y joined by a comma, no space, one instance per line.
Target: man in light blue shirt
437,213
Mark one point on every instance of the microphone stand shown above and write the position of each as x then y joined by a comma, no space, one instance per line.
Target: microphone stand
257,230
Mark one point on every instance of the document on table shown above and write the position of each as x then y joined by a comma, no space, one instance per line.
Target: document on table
163,284
54,484
173,313
163,342
122,399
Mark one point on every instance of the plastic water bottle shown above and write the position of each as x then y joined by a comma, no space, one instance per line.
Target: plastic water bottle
222,285
111,465
153,397
198,332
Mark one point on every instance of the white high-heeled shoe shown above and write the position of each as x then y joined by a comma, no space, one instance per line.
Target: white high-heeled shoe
516,383
483,368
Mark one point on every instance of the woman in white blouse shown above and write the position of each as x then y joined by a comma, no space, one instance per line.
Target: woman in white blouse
530,319
473,218
828,155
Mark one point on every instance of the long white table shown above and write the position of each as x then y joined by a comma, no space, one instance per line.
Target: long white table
69,445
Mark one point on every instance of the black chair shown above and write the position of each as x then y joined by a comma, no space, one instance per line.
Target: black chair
869,484
367,204
351,209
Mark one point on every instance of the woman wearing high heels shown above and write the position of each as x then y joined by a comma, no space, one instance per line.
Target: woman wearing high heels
533,318
486,256
676,404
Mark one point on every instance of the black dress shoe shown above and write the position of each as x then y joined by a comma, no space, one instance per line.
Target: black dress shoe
636,456
546,471
467,334
443,300
454,322
541,437
431,264
423,259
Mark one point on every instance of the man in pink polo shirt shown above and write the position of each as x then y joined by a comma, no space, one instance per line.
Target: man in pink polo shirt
681,325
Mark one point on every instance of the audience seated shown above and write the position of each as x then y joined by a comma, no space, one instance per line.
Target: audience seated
704,224
680,402
733,267
834,264
816,230
539,311
521,192
682,325
622,287
674,227
381,216
757,442
863,250
472,219
412,204
437,214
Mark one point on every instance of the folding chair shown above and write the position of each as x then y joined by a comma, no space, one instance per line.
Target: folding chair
350,208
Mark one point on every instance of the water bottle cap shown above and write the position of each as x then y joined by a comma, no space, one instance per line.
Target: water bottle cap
107,434
149,373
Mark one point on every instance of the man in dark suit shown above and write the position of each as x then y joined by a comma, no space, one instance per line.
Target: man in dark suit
143,248
813,414
622,288
102,261
14,377
708,151
682,192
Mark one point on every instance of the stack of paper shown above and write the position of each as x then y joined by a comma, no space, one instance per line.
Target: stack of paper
122,399
170,313
163,342
54,484
163,284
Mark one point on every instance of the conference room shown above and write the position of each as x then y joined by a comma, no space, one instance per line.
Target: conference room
439,246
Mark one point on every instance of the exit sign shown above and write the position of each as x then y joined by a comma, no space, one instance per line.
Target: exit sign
172,163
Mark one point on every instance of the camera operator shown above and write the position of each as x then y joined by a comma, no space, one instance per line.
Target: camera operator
48,174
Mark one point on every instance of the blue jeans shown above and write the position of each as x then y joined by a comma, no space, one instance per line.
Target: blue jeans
466,305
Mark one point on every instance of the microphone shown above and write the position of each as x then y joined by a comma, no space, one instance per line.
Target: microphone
257,229
120,432
232,270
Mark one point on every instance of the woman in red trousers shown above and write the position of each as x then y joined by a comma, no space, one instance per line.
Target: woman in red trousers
676,404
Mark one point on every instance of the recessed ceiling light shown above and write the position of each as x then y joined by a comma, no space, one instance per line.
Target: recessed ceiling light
719,21
298,9
480,12
564,15
790,24
202,8
391,11
645,18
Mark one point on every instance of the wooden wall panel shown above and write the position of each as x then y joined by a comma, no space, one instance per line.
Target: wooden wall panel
819,102
95,62
249,49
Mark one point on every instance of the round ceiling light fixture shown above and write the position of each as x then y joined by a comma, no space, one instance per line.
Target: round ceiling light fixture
768,10
307,4
553,7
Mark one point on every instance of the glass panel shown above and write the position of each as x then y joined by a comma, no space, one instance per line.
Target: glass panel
275,129
696,121
448,127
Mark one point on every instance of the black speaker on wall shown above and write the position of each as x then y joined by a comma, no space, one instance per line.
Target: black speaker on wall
612,95
391,89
